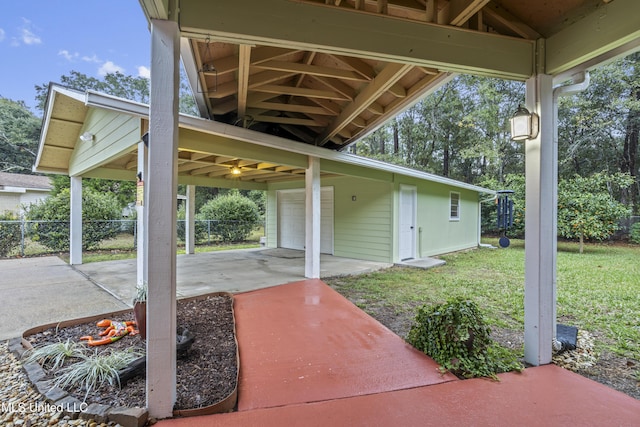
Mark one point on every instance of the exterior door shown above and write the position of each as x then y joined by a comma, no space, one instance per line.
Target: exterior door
407,222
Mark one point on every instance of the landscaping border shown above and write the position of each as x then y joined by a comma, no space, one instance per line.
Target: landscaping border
135,416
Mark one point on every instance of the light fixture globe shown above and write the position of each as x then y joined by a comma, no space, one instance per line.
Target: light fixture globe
524,125
87,137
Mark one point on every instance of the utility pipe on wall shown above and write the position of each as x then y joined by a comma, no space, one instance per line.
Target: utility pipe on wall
581,82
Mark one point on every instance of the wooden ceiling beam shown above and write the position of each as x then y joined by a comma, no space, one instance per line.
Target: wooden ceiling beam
305,26
292,108
314,70
342,88
227,64
267,77
244,58
460,11
267,53
388,77
328,105
286,120
300,91
357,65
497,13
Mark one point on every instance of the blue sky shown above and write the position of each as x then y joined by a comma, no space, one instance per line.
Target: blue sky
41,40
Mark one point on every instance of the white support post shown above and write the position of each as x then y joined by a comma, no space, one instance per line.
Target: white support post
75,222
541,166
140,216
190,229
312,219
160,212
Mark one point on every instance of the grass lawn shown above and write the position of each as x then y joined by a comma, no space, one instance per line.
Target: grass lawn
121,247
598,291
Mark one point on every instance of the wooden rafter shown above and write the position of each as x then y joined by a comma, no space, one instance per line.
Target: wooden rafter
244,57
460,11
314,70
388,77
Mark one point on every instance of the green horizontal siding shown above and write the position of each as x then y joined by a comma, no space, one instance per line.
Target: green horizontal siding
363,228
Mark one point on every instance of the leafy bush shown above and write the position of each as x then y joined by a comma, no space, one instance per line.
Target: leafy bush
634,233
200,232
99,210
9,233
455,336
237,216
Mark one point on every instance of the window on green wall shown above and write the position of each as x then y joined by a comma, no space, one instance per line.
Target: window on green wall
454,206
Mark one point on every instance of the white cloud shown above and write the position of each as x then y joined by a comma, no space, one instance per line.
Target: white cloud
1,34
93,59
144,72
109,67
71,57
27,36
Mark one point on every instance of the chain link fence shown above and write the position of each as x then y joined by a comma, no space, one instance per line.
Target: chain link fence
33,238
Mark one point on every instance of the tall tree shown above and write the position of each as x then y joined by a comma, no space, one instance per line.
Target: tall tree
19,134
599,128
120,85
587,207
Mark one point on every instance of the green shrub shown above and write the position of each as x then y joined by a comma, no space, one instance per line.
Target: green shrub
200,232
454,334
236,216
9,233
634,233
99,210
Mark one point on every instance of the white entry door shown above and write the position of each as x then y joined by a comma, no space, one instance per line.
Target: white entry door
291,216
407,223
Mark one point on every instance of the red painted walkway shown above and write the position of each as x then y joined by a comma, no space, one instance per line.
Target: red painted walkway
308,357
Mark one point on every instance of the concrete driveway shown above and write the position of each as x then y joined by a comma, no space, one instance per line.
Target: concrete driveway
37,291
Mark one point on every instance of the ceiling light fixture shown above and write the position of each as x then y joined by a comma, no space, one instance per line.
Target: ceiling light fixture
87,137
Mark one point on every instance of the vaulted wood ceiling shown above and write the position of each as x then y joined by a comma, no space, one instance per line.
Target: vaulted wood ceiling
318,71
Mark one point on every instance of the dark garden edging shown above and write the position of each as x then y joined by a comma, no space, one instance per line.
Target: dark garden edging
134,417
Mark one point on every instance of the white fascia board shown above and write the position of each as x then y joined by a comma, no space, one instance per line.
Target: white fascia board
7,189
95,99
54,89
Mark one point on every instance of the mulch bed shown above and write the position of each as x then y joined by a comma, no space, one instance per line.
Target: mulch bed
205,376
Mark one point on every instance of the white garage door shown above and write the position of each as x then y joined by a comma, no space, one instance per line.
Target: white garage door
291,232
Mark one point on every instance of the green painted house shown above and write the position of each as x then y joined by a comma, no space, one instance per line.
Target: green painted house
369,209
378,212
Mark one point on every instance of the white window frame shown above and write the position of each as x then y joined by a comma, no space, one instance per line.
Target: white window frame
451,205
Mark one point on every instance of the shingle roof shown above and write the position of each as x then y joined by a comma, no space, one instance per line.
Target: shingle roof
25,181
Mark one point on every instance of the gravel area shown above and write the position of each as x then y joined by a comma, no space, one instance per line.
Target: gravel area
22,405
205,376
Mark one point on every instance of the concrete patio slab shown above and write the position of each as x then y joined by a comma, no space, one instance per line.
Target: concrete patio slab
424,263
225,271
38,291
